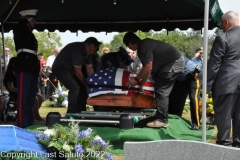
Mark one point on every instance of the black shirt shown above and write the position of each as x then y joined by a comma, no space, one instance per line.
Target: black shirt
72,54
160,53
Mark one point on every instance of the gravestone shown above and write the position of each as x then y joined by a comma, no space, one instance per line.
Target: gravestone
178,150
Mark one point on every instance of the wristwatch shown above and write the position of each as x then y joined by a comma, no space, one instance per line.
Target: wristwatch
136,79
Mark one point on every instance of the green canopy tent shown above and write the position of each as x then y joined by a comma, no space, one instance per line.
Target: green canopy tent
107,16
119,16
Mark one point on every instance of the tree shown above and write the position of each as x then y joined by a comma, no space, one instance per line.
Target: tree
8,41
117,42
47,41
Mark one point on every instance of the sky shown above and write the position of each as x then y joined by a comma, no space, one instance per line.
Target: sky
68,37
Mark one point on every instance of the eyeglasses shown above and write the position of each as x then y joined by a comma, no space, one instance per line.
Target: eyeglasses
7,50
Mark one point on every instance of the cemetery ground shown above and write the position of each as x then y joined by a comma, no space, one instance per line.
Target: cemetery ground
45,109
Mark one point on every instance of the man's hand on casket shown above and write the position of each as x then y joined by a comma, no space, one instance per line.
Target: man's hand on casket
131,82
141,91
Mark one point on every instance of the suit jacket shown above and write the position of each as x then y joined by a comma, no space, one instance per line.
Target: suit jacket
223,71
2,59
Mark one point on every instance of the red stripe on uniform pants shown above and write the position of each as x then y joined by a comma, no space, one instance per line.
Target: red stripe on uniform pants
20,99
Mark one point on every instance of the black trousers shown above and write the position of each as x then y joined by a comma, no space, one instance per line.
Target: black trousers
44,91
227,108
163,87
179,95
53,84
77,95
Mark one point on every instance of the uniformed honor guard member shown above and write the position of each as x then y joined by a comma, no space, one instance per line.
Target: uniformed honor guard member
27,66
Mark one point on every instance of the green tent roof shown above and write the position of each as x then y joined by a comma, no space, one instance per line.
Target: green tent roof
103,15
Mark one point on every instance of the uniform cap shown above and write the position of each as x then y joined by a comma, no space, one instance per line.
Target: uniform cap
29,13
199,49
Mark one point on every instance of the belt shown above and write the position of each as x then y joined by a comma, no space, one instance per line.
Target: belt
26,50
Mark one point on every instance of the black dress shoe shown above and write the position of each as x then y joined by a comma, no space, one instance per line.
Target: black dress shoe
194,127
39,119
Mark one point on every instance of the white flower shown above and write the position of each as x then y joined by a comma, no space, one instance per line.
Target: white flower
66,147
65,93
97,137
65,103
50,132
55,95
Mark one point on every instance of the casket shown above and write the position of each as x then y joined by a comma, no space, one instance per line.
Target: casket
117,100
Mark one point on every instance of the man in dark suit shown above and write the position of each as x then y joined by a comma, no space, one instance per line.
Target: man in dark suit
5,58
223,79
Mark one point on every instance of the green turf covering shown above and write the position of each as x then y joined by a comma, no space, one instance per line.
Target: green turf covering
179,128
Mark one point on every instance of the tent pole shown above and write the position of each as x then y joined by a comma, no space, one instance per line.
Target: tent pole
205,55
1,73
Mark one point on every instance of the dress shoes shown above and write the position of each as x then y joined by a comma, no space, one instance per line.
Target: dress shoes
157,124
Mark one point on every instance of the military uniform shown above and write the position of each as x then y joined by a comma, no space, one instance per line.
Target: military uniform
27,71
187,84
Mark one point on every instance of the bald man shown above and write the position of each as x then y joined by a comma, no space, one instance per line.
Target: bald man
52,77
223,79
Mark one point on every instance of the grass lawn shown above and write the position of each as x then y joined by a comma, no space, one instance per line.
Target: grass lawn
45,109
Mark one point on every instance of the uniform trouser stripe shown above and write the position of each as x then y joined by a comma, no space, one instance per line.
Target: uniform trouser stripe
20,100
196,100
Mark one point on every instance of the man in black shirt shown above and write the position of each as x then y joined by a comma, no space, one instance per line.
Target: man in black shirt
26,66
67,68
165,62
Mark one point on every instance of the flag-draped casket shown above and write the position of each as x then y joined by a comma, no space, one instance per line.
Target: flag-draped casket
108,88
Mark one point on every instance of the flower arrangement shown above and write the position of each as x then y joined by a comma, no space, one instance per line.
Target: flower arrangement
209,109
60,97
71,143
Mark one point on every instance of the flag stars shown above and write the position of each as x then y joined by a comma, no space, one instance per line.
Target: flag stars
95,83
100,78
109,77
95,74
105,82
105,74
90,80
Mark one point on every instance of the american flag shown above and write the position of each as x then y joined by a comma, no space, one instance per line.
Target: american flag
114,81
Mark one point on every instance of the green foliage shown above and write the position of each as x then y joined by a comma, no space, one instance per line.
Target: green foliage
70,140
47,41
8,41
44,45
117,42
